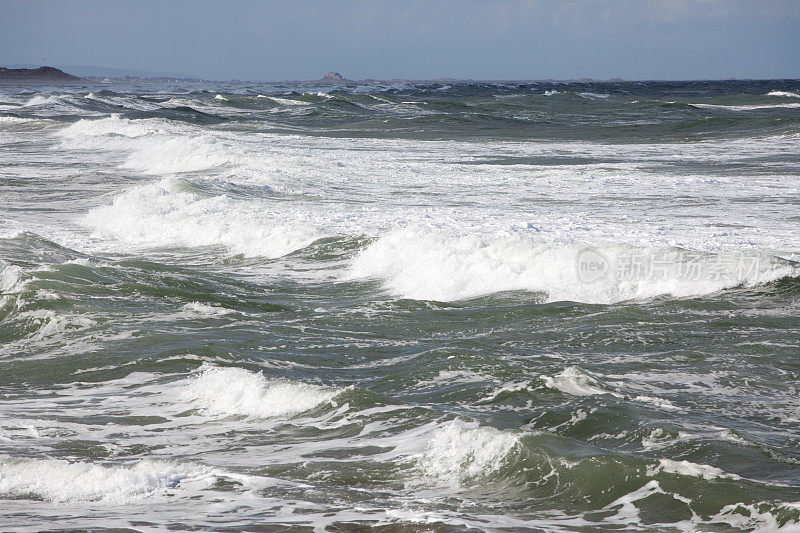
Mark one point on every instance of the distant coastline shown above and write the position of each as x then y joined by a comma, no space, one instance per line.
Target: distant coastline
22,74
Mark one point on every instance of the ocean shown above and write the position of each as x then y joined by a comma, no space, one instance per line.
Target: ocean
412,306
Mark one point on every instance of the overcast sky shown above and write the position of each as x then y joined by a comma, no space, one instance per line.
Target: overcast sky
481,39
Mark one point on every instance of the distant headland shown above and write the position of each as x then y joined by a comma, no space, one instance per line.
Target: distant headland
37,75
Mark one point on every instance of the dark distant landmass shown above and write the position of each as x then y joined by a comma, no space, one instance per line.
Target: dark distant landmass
36,75
94,72
114,75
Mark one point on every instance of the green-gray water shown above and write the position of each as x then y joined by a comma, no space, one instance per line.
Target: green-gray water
527,307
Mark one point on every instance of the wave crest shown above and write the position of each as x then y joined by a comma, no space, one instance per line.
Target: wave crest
459,454
239,392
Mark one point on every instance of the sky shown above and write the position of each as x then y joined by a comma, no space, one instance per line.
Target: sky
270,40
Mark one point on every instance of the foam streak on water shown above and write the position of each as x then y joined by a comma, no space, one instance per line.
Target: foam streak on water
462,306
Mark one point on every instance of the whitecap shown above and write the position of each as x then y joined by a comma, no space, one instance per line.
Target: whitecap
203,309
575,382
223,391
785,94
287,101
39,99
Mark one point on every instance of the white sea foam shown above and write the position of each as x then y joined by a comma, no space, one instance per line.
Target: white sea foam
460,453
575,382
235,391
462,252
552,93
68,482
593,95
220,97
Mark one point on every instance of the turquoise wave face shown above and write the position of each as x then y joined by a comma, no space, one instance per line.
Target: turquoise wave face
480,306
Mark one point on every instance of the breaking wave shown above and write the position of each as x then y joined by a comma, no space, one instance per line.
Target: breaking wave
69,482
238,392
430,266
461,454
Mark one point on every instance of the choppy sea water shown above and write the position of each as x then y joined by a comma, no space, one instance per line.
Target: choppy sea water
462,306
